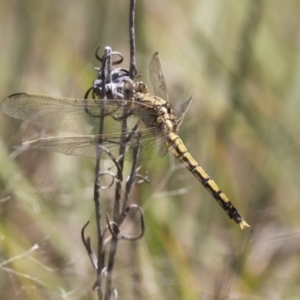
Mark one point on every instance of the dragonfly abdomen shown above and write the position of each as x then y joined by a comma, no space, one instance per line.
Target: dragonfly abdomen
176,146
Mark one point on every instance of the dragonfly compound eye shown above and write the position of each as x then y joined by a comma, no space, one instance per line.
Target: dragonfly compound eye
141,87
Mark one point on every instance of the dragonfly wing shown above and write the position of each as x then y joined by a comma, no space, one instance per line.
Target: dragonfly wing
182,109
149,146
157,78
72,115
77,145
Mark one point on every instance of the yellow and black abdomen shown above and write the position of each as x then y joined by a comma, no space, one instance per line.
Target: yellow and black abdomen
175,145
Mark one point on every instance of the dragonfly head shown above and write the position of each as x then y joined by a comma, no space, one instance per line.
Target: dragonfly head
141,87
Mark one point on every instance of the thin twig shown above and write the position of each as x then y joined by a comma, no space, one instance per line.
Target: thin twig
132,69
117,213
111,84
106,65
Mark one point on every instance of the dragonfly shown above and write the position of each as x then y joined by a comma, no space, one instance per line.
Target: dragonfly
151,127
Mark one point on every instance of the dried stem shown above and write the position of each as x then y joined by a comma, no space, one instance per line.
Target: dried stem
117,213
132,69
110,85
105,66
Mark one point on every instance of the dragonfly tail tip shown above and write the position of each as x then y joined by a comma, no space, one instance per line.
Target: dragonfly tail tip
243,224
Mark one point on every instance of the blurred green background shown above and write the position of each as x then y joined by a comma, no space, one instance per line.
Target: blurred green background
241,60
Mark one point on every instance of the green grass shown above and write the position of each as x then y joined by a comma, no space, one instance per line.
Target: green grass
241,60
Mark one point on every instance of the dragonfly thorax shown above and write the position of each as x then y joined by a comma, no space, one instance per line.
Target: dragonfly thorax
162,115
165,119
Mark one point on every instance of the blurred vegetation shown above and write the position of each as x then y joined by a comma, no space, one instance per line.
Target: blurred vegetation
241,60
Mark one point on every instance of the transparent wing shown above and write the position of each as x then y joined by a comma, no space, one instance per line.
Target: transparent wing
73,115
157,78
84,116
181,110
148,147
